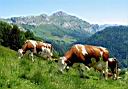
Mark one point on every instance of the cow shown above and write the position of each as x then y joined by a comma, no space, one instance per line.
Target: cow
114,67
36,47
79,53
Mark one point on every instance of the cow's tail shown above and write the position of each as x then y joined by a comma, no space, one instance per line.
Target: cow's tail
52,49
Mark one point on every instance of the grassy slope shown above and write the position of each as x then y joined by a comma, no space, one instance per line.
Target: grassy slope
23,74
52,32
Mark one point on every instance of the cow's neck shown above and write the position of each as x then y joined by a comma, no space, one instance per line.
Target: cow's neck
69,56
24,48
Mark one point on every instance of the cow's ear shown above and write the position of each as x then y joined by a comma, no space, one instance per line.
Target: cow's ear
115,58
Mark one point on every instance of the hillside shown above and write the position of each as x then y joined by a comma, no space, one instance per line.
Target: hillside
43,74
115,39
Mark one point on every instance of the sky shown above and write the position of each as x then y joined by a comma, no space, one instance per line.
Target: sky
92,11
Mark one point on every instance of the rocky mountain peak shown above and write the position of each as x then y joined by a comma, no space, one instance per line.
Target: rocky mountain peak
60,13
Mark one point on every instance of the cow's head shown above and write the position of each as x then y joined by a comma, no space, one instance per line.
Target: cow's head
20,53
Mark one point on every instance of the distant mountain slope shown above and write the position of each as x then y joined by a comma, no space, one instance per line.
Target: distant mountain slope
60,19
58,26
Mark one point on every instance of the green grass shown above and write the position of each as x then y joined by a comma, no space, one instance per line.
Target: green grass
42,74
53,33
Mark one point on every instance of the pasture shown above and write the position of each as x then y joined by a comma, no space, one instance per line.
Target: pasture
42,74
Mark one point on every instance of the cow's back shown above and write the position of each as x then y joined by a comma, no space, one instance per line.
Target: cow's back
27,45
84,53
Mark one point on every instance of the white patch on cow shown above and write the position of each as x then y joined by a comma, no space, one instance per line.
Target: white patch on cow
77,47
111,59
20,53
101,53
43,48
84,51
44,44
46,49
34,43
102,48
63,60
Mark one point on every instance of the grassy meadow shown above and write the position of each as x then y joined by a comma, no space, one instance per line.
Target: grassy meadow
42,74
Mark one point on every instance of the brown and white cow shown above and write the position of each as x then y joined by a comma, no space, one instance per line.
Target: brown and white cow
82,54
36,47
114,67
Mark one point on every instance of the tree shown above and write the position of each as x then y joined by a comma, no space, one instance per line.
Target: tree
16,38
29,35
4,32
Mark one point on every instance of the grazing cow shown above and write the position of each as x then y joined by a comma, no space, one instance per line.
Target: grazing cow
36,47
83,54
114,67
112,64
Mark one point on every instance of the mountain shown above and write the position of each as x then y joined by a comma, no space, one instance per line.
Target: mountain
62,25
60,21
59,18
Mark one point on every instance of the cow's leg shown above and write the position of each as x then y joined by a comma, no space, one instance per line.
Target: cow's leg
35,49
20,56
113,70
106,70
67,68
32,56
116,74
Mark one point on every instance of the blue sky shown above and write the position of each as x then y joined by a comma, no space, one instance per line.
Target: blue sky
93,11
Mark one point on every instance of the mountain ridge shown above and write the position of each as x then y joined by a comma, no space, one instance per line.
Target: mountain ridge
59,18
